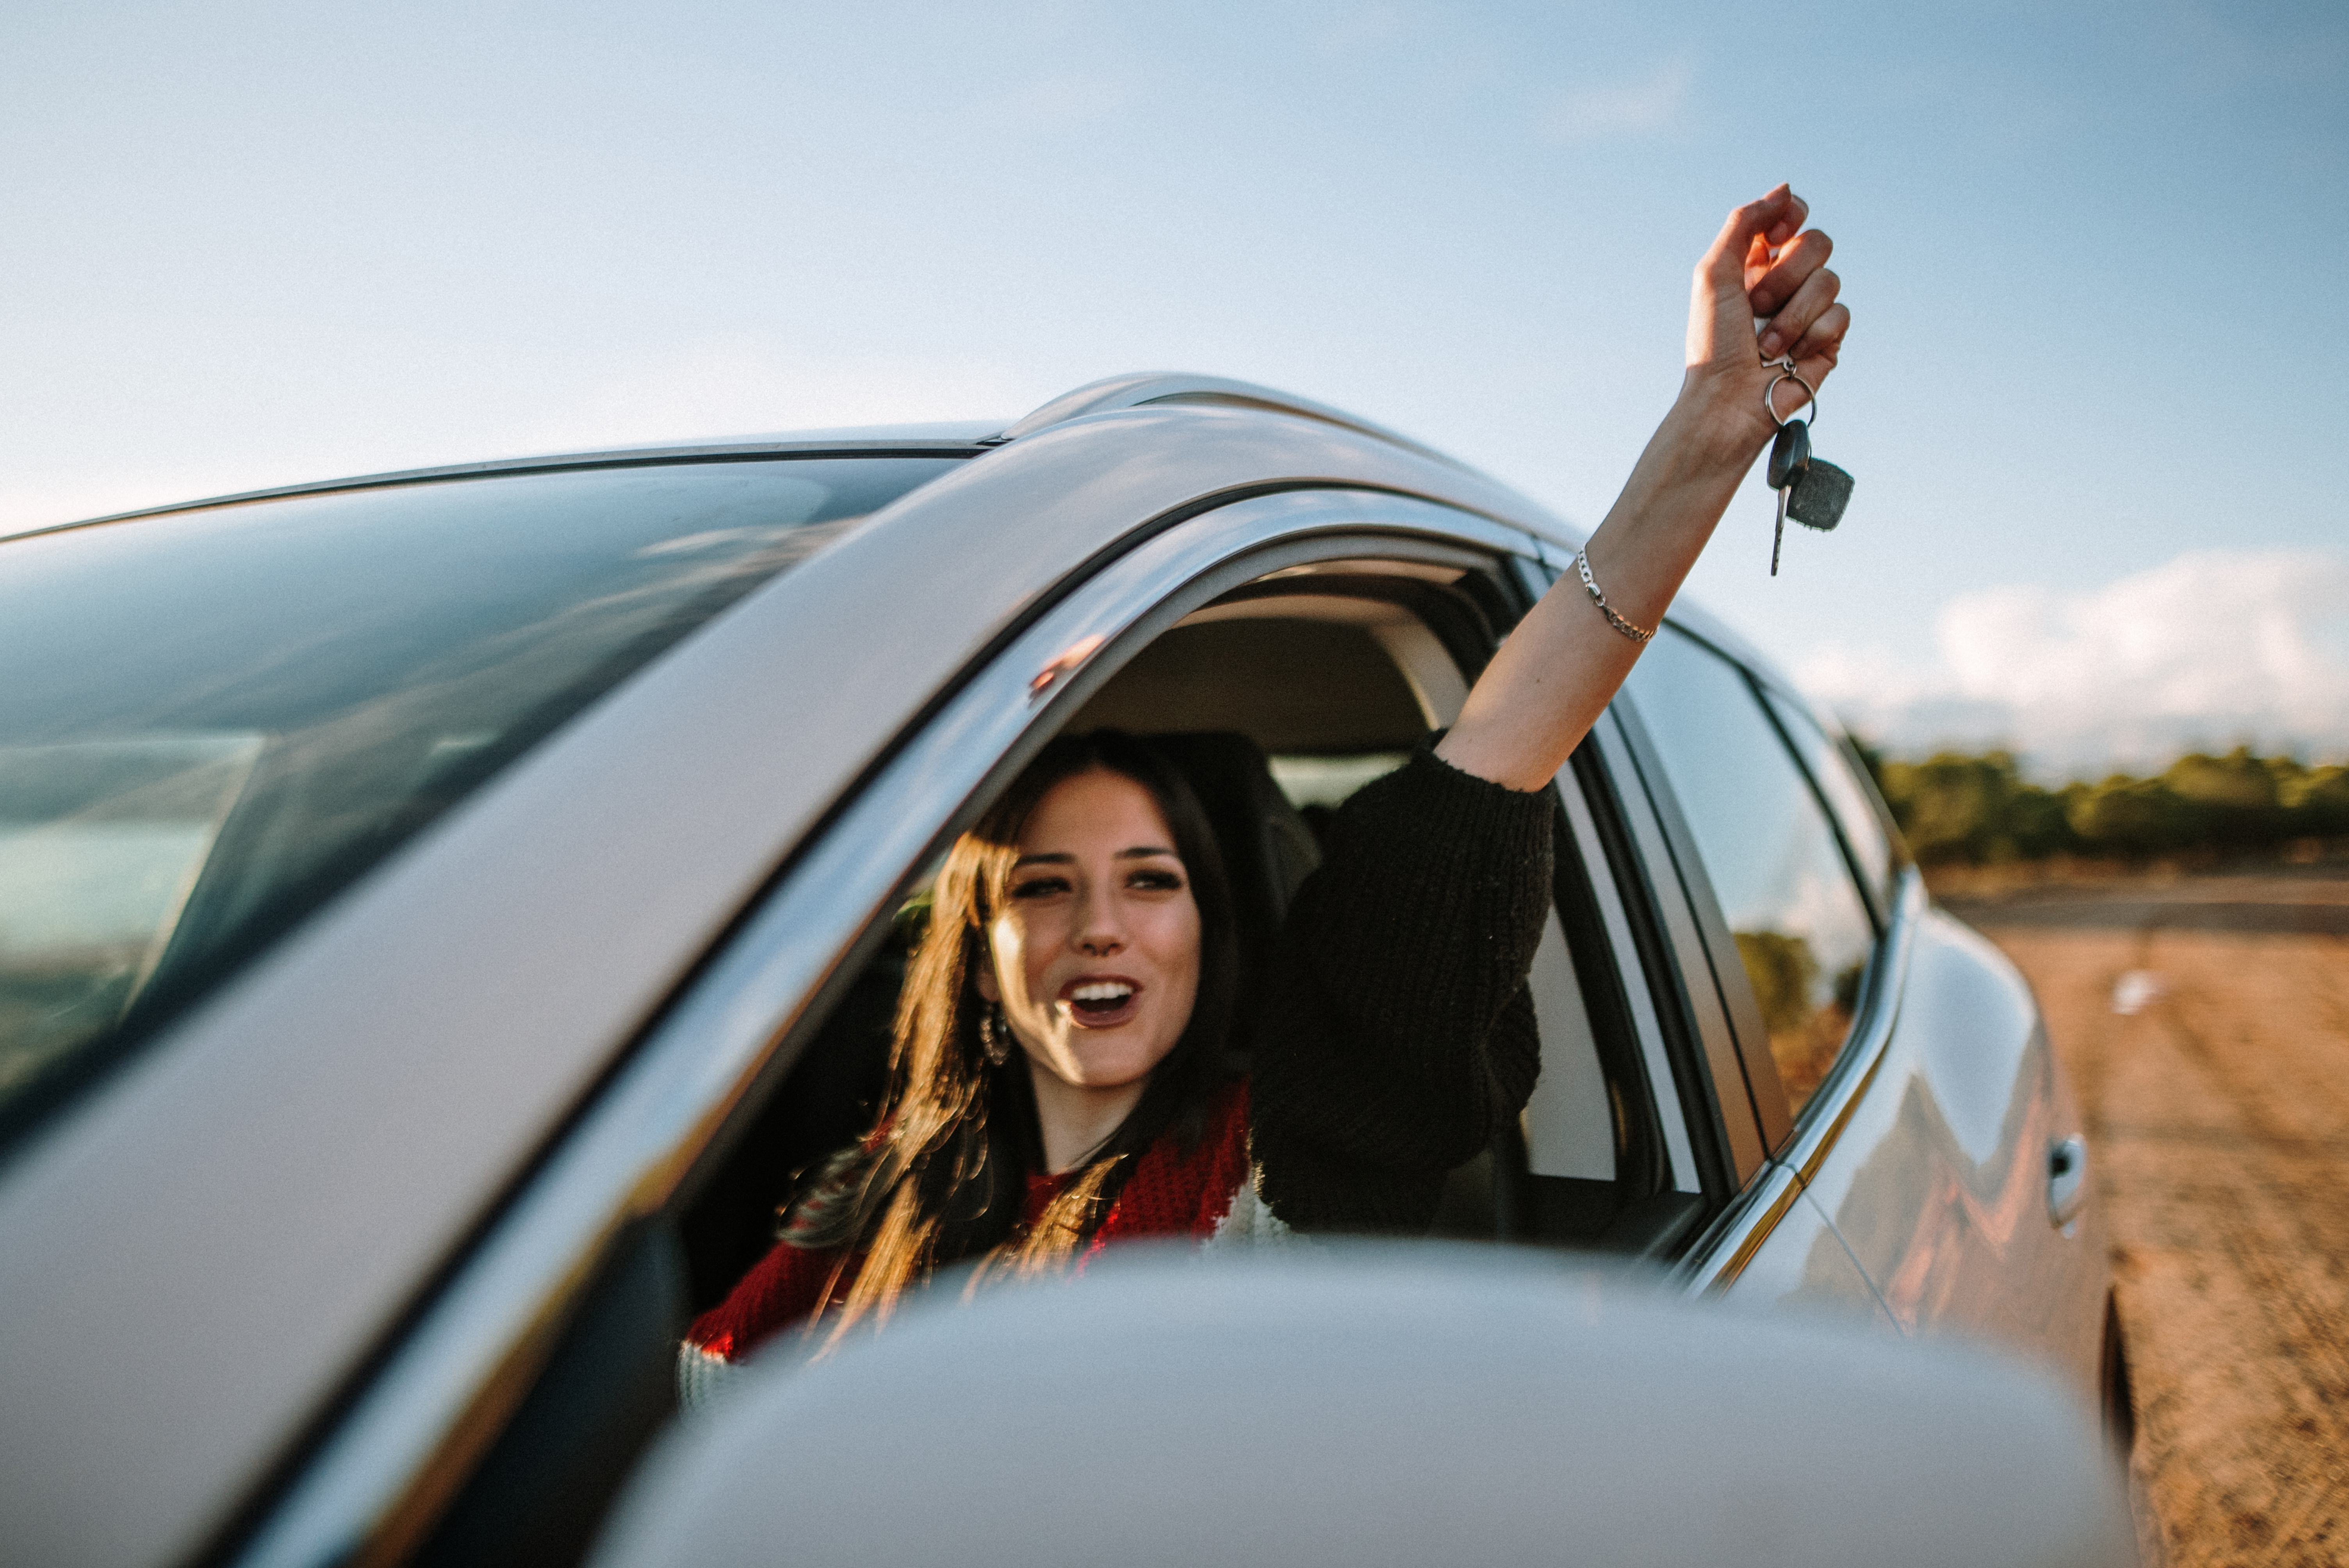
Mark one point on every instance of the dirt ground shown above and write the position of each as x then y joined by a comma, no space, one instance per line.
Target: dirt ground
2205,1022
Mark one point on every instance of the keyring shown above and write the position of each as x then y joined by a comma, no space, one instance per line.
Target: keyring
1786,372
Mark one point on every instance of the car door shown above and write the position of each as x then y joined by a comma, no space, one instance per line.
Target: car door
1951,1154
1922,1158
1896,1060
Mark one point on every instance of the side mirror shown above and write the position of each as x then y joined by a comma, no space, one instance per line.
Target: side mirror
1374,1405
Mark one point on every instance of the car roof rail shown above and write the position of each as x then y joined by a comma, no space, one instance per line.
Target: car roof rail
1149,388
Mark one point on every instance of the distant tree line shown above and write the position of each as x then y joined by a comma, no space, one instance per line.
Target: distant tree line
1980,811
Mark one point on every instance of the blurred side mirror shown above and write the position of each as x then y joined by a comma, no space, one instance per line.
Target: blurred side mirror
1371,1405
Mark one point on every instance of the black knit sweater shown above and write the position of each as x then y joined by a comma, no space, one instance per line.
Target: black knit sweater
1396,1033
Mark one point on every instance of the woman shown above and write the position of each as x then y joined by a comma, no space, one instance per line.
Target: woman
1061,1075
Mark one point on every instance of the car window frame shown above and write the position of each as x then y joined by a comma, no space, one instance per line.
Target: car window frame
1662,955
436,1398
1898,909
1610,956
1782,1128
1714,980
1720,1002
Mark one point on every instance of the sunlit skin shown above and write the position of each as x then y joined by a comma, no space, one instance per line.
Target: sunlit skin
1098,901
1099,894
1765,273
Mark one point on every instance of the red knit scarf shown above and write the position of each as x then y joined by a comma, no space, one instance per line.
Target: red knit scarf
1178,1189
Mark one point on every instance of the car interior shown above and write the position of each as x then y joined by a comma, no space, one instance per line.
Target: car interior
1276,701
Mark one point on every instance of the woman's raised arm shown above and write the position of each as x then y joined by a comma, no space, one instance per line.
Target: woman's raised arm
1562,664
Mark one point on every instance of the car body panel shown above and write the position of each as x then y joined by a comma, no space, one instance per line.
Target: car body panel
1938,1178
1788,1252
1924,1154
1798,1262
475,988
1375,1408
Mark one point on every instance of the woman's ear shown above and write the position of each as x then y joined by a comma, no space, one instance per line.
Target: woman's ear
989,991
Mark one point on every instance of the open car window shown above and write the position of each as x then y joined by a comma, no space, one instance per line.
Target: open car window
1276,703
1350,662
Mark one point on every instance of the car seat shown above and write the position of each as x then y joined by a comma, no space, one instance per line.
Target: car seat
1268,848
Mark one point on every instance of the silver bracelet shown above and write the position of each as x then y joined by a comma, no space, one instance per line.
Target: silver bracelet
1590,584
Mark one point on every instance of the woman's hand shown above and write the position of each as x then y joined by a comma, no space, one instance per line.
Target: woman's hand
1561,666
1764,271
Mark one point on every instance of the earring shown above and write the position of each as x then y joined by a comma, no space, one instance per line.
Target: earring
994,1031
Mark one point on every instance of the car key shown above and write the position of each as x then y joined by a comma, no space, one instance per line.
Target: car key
1817,499
1790,455
1811,491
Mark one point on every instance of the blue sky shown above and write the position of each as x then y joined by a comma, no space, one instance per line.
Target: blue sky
2094,397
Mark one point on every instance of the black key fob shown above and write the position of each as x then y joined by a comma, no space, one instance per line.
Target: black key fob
1790,454
1819,495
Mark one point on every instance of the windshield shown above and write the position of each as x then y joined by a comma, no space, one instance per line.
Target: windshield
214,720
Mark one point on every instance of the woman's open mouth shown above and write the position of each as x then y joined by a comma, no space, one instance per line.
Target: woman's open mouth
1100,1001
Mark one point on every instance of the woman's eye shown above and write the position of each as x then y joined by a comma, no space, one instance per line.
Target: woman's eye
1039,887
1156,881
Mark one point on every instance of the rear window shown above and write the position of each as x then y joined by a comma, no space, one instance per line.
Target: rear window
214,721
1802,933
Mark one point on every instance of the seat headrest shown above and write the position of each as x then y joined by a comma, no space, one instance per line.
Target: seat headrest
1268,847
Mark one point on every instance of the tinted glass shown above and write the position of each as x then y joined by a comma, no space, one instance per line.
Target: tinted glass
1846,796
1801,928
214,720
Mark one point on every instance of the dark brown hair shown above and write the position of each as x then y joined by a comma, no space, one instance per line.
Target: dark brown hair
957,1137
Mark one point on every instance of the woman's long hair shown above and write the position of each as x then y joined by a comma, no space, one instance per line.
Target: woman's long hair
957,1137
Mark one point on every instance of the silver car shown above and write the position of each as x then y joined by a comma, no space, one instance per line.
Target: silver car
441,911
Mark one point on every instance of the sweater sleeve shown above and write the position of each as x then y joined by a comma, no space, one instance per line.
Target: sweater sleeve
1397,1034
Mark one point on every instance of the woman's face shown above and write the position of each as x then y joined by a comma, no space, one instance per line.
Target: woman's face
1096,950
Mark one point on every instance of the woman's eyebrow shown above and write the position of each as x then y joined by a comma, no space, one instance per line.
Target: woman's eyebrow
1061,858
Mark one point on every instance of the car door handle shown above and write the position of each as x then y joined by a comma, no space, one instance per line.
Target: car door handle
2067,1180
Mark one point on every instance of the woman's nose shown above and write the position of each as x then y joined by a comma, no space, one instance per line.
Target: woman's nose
1098,931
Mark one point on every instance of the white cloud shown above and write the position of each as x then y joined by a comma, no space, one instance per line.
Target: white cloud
1651,103
2214,648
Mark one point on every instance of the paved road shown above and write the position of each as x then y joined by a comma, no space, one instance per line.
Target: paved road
2206,1030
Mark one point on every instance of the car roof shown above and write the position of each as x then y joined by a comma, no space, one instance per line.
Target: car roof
956,438
1135,390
